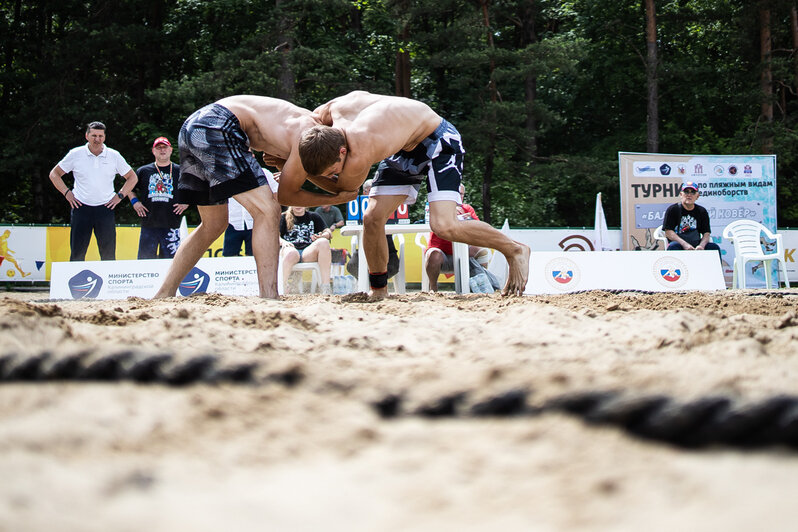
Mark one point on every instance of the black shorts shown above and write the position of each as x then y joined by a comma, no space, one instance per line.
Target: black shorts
215,161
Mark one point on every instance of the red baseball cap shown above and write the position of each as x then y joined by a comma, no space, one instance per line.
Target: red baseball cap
161,140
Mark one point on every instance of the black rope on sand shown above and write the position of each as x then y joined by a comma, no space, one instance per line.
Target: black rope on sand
778,294
140,367
615,291
704,422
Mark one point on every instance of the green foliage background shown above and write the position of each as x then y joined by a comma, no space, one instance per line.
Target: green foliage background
143,66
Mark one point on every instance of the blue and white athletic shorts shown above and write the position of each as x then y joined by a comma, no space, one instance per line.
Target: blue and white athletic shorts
215,161
438,158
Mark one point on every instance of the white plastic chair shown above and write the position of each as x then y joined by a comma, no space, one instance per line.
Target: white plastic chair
422,239
398,281
315,276
659,234
746,237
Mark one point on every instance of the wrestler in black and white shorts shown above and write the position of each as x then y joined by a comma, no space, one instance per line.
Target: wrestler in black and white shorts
439,158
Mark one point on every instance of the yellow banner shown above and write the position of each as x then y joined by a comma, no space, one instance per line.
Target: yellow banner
127,245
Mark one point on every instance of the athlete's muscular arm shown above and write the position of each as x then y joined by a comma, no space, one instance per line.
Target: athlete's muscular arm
365,150
346,107
323,114
329,184
273,160
352,176
291,192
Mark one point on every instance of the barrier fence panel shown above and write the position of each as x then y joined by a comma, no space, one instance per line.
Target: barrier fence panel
27,253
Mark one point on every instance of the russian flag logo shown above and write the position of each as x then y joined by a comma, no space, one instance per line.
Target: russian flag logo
671,275
562,276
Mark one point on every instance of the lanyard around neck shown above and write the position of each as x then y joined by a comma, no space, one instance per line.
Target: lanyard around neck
160,174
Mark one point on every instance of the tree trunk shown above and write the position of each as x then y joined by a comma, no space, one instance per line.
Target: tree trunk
487,176
156,15
402,66
652,115
40,188
766,78
285,44
794,31
530,81
9,44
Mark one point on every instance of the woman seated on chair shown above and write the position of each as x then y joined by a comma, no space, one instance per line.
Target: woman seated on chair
305,238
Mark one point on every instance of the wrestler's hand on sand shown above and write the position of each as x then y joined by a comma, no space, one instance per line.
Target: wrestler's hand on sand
519,271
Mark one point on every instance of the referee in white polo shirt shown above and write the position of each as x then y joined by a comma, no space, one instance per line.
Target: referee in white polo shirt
94,167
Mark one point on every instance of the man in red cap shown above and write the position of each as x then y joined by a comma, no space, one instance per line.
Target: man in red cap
153,199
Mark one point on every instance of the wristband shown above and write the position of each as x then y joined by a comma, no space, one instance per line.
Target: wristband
67,192
120,195
133,201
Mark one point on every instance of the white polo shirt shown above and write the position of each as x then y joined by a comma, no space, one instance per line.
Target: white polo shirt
94,174
270,178
238,216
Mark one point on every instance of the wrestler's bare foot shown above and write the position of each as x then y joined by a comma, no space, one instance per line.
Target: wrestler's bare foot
376,294
269,293
519,272
162,294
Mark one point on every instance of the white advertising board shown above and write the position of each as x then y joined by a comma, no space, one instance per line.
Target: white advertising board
235,276
790,239
655,271
693,270
573,239
731,187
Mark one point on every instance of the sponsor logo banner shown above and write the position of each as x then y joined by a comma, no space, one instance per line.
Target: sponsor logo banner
670,272
85,285
142,278
563,274
655,271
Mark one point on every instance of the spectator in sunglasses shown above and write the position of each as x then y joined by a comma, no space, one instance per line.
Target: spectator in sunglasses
686,223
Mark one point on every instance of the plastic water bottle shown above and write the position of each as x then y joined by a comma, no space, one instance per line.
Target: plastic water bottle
473,282
350,284
480,284
484,283
426,213
337,285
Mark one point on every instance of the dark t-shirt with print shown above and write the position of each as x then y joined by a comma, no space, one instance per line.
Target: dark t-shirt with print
156,191
305,226
689,225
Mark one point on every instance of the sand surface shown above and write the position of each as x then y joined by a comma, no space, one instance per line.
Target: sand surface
314,455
